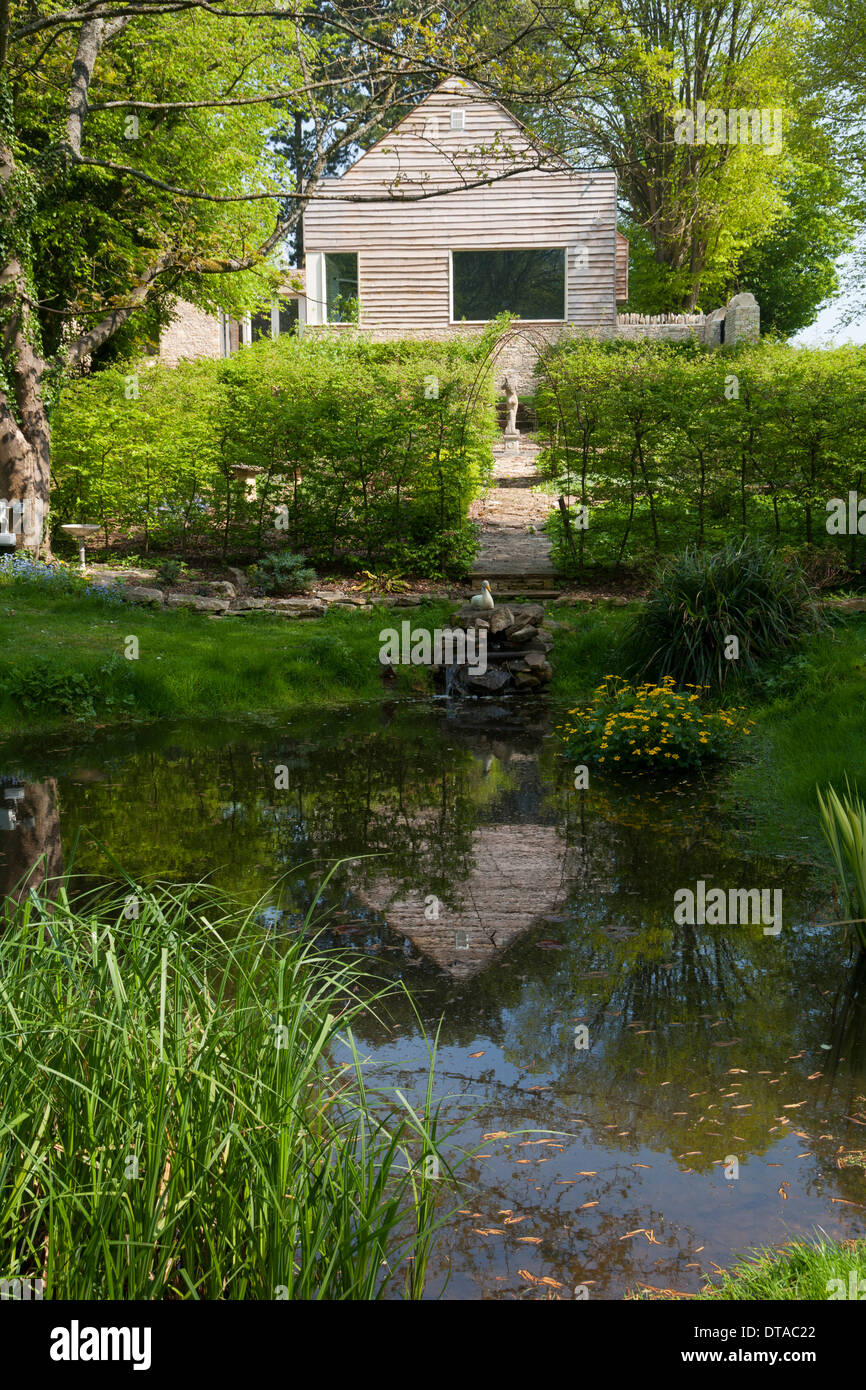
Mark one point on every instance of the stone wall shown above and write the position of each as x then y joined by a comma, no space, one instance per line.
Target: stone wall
196,334
192,333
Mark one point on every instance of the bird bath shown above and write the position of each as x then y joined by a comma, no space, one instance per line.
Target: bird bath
80,531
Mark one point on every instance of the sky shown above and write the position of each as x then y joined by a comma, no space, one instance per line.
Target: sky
828,327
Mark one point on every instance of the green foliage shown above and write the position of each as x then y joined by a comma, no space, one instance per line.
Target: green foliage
701,599
843,822
650,728
800,1271
213,1132
169,571
359,458
280,572
39,685
674,444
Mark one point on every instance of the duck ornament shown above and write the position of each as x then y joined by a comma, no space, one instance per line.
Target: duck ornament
485,598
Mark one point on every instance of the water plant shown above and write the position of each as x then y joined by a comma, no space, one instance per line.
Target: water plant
186,1114
843,821
650,726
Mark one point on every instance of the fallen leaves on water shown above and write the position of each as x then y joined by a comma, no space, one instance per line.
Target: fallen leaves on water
476,1054
536,1279
488,1230
587,1204
793,1105
498,1134
529,1240
642,1231
782,1192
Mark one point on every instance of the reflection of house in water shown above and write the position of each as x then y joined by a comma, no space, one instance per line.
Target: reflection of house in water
519,876
30,846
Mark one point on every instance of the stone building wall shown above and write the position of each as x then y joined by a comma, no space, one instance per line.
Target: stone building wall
192,333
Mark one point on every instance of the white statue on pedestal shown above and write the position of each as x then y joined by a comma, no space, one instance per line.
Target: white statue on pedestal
513,402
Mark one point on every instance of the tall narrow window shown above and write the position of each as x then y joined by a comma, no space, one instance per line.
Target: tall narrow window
341,286
529,284
458,120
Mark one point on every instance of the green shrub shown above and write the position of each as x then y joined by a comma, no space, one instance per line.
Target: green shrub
672,444
39,686
649,728
169,571
363,451
702,599
281,573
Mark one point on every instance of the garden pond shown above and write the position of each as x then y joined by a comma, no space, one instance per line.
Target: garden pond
645,1099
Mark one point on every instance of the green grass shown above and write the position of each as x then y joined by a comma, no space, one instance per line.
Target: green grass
810,731
796,1271
185,1115
188,664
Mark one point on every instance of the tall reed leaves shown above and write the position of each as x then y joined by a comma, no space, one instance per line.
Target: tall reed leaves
186,1114
843,821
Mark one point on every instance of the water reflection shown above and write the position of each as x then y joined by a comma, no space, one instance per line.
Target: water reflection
30,843
553,912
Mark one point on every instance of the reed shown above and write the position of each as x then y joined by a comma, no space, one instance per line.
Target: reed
186,1113
843,821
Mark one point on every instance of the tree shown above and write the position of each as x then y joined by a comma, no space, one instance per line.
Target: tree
137,164
695,198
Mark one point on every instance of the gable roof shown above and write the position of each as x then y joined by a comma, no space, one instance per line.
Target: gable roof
433,152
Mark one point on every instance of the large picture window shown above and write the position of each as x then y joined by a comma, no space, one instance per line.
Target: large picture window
529,284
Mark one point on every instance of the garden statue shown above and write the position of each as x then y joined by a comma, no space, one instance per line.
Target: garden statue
513,402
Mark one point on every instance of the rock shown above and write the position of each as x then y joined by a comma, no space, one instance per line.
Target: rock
500,620
304,607
201,605
540,643
529,613
535,659
401,600
242,584
223,588
523,634
345,602
244,603
546,671
524,681
488,683
139,594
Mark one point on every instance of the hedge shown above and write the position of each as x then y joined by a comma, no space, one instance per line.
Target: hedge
667,445
366,452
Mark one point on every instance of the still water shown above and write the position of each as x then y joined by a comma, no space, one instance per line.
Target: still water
717,1097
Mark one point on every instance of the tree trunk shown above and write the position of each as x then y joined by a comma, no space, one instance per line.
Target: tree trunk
24,430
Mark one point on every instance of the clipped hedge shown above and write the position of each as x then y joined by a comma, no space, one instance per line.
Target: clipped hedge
668,445
364,451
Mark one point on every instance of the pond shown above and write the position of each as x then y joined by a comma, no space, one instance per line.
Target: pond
647,1098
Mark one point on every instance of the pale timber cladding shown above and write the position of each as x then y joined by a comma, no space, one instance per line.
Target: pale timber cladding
403,246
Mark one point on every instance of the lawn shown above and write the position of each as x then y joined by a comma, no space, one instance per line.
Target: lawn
65,657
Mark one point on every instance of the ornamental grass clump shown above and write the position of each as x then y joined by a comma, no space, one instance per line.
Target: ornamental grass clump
186,1114
716,618
649,726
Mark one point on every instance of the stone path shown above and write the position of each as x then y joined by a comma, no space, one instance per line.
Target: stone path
514,552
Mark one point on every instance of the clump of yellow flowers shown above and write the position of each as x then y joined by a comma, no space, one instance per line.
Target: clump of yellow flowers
627,727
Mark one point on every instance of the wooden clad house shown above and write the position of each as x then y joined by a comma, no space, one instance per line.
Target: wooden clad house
457,215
